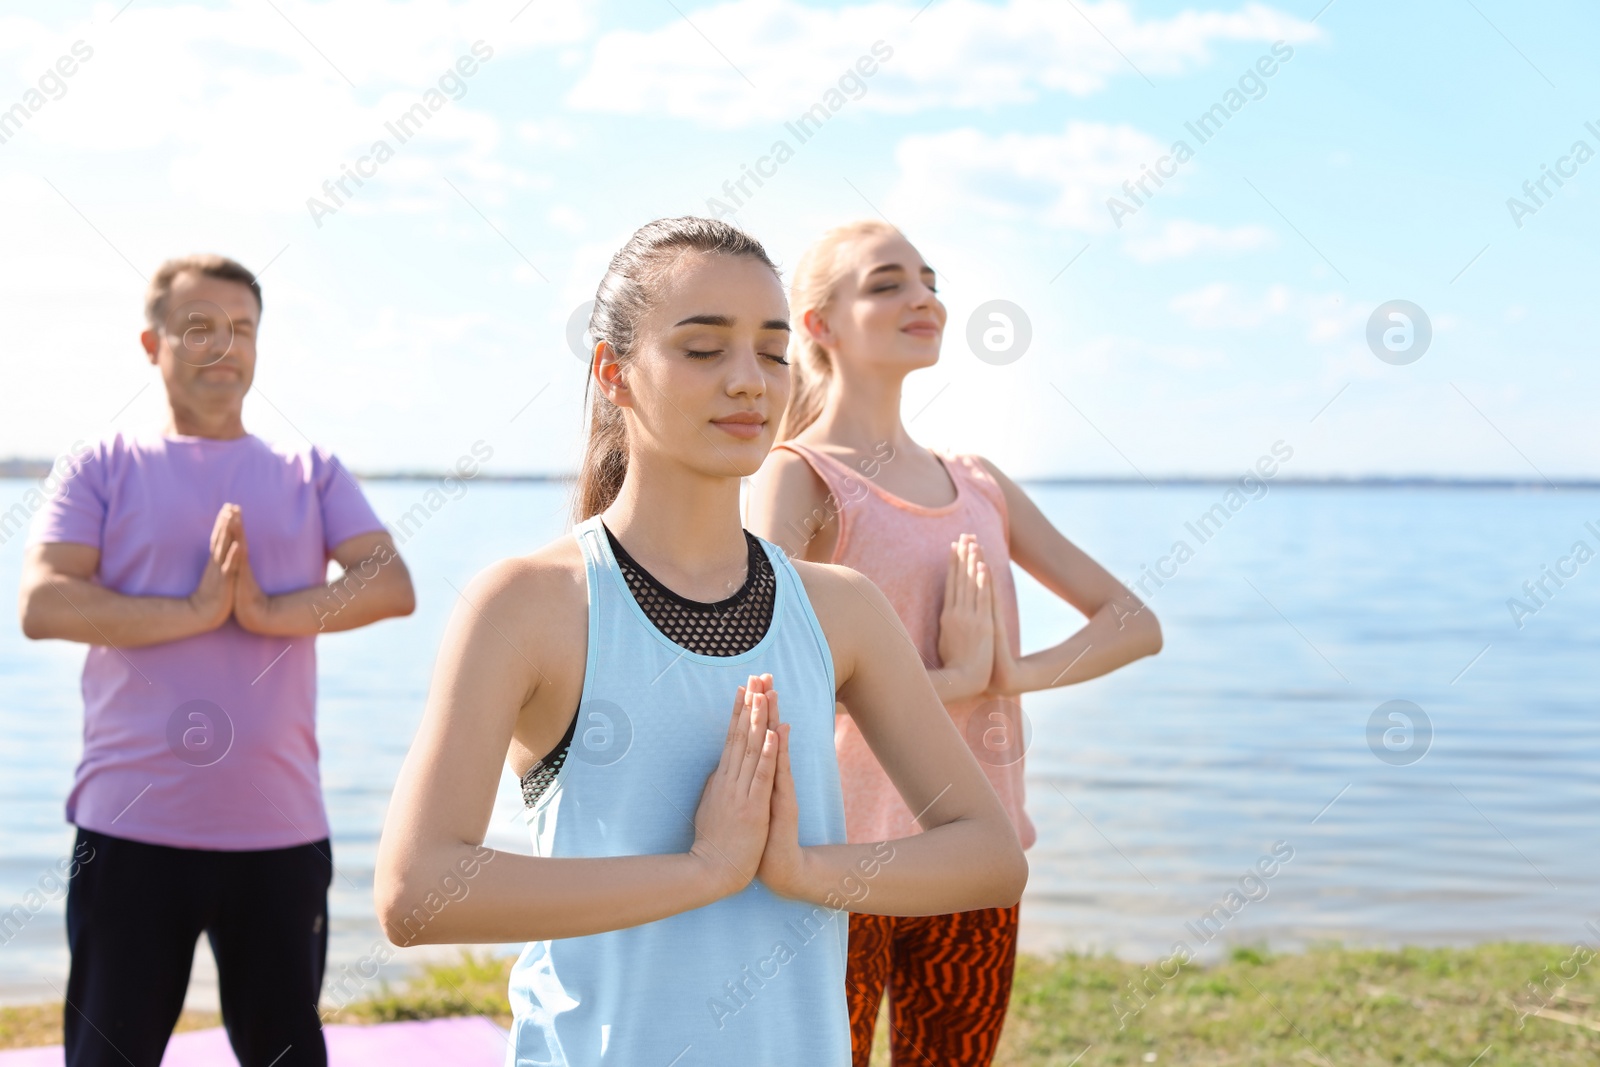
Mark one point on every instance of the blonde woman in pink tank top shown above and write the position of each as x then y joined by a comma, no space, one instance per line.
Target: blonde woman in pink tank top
937,532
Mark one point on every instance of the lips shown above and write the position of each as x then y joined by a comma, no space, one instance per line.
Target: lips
921,329
743,424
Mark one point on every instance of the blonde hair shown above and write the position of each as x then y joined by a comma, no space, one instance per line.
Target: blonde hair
816,280
626,294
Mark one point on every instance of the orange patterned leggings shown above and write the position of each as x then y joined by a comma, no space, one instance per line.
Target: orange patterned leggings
948,978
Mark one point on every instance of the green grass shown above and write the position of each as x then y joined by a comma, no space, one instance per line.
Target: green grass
474,985
1350,1007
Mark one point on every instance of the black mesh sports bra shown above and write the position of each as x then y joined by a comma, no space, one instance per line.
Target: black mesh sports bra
725,628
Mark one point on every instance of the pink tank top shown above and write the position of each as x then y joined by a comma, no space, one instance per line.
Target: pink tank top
904,548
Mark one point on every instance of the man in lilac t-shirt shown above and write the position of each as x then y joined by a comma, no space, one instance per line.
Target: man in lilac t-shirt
193,562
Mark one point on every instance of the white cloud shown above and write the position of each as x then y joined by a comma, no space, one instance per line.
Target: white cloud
1045,179
748,61
413,351
1181,238
1221,305
247,105
1327,318
565,218
551,133
1115,354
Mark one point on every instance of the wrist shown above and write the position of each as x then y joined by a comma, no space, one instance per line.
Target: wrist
265,611
1005,683
808,879
997,689
203,617
713,877
258,614
959,681
795,879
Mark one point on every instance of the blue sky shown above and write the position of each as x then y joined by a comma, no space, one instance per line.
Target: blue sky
1228,312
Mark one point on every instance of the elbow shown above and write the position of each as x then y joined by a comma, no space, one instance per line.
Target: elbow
397,902
1015,879
412,903
1007,869
387,894
1139,629
34,624
1153,638
404,915
403,597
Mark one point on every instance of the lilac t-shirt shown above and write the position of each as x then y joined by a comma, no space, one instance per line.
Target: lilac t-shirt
209,741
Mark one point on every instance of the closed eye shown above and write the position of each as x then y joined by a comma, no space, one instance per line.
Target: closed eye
694,353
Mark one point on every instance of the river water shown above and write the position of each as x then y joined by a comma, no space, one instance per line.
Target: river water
1156,791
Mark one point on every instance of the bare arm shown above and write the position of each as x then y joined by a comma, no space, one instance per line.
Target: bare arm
375,585
790,506
60,598
1121,628
968,856
512,647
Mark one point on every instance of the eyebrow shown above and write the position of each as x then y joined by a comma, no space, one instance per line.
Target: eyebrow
725,322
881,268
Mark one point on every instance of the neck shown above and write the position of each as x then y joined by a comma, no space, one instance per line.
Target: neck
862,409
221,423
678,520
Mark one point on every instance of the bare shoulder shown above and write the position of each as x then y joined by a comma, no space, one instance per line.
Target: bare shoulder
1019,506
786,465
547,571
997,474
788,504
854,613
786,482
828,585
539,601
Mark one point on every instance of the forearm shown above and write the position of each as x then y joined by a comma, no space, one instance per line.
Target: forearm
1114,637
76,609
960,866
955,684
466,894
345,603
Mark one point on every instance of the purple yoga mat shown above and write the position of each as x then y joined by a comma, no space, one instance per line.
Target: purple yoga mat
458,1042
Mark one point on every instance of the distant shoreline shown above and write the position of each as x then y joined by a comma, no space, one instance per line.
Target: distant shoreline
34,469
1372,481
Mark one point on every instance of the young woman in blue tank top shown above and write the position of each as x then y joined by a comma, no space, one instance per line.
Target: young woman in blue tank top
687,902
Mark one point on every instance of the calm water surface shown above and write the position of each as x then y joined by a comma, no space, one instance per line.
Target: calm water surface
1155,790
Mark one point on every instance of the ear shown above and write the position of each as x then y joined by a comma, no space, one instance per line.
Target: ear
817,327
607,373
152,345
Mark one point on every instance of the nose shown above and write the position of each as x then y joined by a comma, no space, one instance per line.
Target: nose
744,374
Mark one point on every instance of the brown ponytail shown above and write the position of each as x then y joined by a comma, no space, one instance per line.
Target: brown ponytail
816,278
623,298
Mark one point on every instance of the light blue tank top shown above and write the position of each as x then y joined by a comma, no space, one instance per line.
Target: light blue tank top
751,980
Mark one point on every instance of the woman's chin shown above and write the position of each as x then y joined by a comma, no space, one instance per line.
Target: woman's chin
734,457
